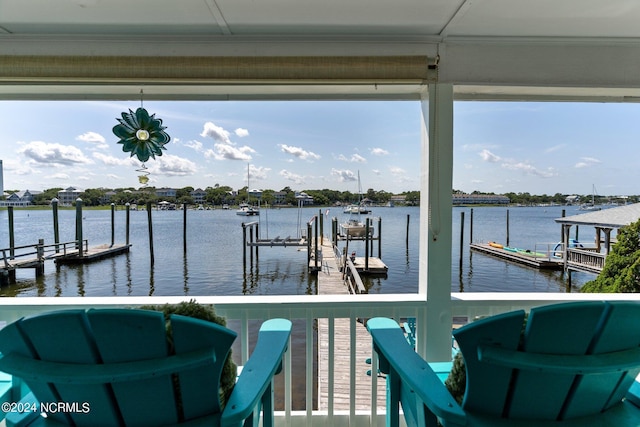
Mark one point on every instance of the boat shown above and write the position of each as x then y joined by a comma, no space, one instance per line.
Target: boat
356,209
244,208
496,245
354,226
590,206
247,210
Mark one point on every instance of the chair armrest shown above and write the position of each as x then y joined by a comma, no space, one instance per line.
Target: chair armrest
396,355
257,373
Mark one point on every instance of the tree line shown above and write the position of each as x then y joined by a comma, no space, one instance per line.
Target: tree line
222,194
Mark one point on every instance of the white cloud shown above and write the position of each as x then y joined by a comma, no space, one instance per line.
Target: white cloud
241,133
299,152
229,152
344,175
58,176
216,132
488,156
173,166
259,173
355,158
530,169
586,162
195,145
94,138
379,152
54,154
290,176
116,161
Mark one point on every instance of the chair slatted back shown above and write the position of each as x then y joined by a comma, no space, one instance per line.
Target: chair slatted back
113,336
573,329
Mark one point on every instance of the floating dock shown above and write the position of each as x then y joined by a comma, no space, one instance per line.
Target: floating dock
94,253
371,266
531,260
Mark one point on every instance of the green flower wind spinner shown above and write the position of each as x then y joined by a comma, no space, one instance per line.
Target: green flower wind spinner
141,134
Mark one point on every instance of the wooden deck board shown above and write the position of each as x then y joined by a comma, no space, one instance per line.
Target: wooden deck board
92,254
330,283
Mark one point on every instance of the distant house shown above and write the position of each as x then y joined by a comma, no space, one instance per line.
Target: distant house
479,199
572,200
108,195
166,192
280,197
199,196
304,198
255,193
20,198
68,196
398,199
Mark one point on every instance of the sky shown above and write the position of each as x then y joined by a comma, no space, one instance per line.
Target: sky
499,147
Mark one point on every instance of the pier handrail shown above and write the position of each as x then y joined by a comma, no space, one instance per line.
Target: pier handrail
12,255
585,260
39,250
352,278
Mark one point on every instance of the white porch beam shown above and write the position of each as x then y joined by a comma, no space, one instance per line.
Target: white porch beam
436,221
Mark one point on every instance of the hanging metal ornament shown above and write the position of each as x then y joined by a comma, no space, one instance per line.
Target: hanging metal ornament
143,136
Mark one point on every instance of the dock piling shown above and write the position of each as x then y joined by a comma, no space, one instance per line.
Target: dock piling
150,225
184,227
461,237
127,226
12,241
507,227
56,232
79,225
407,236
380,237
113,224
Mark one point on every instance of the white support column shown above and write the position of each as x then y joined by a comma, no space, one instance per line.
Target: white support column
436,221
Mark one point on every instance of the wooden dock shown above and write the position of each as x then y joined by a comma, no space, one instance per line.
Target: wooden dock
91,254
35,256
365,266
531,260
330,282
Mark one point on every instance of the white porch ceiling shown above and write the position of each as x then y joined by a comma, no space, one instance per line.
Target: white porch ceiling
489,49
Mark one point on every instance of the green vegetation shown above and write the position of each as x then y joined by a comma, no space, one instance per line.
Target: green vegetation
222,194
621,272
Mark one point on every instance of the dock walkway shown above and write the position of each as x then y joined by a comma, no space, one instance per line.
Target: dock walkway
330,282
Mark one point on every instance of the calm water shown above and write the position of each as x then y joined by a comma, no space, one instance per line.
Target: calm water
213,263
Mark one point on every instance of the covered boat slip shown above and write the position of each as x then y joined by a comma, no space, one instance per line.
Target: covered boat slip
430,51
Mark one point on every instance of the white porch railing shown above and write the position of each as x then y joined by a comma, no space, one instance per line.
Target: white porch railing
244,312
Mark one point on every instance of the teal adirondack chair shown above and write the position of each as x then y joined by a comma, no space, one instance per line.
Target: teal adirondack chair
112,367
574,364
